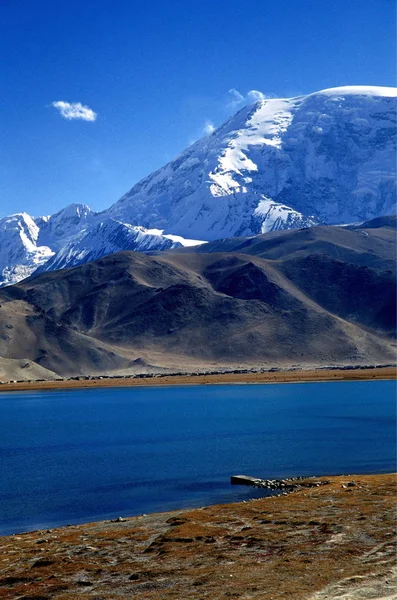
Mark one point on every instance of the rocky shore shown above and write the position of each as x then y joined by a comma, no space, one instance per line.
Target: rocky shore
331,541
285,486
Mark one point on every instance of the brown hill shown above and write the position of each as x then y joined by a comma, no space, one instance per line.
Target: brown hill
325,295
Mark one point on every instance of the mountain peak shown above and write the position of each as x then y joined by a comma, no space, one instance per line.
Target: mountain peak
279,163
326,157
74,209
20,254
58,229
21,225
361,90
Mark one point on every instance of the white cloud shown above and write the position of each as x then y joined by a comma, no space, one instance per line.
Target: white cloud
208,128
74,110
237,99
255,95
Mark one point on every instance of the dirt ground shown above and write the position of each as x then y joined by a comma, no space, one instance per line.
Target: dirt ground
336,541
287,376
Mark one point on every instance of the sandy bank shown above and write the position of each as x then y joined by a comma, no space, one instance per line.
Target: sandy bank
287,376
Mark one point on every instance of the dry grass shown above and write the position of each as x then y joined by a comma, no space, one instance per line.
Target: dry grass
297,376
314,543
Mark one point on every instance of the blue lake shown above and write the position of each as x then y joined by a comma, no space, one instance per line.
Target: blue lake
84,455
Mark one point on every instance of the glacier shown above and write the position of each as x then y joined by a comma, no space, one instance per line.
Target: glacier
328,157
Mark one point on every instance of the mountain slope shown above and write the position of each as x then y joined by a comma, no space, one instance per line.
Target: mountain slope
72,236
26,244
308,306
282,163
350,271
23,370
107,237
329,157
59,229
20,251
371,243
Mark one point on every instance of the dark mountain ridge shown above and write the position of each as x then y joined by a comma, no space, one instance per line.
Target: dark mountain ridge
324,295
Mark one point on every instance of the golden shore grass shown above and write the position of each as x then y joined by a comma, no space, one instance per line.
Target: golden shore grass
321,543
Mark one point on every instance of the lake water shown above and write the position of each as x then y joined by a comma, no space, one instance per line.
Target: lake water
83,455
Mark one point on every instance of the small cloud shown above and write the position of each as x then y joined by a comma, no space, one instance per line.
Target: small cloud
255,95
208,128
237,99
74,110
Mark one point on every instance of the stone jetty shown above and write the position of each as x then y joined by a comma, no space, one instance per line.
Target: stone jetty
285,485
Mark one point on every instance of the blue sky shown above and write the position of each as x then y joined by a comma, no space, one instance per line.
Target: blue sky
156,73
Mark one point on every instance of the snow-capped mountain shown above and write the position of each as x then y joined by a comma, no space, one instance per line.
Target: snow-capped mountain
328,157
20,253
107,237
59,229
27,243
73,236
281,163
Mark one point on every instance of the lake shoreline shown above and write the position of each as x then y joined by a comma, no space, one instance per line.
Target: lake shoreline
280,376
92,454
298,483
324,540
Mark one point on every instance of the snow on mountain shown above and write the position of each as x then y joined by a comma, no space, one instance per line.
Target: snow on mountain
20,253
105,238
27,243
57,230
70,237
179,240
362,90
281,163
328,157
271,216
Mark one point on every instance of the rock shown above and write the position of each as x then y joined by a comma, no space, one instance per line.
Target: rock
244,480
42,562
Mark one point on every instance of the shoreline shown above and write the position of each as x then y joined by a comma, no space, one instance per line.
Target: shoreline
280,376
343,527
293,485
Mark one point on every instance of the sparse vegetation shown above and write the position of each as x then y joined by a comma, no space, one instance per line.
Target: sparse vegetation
332,541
